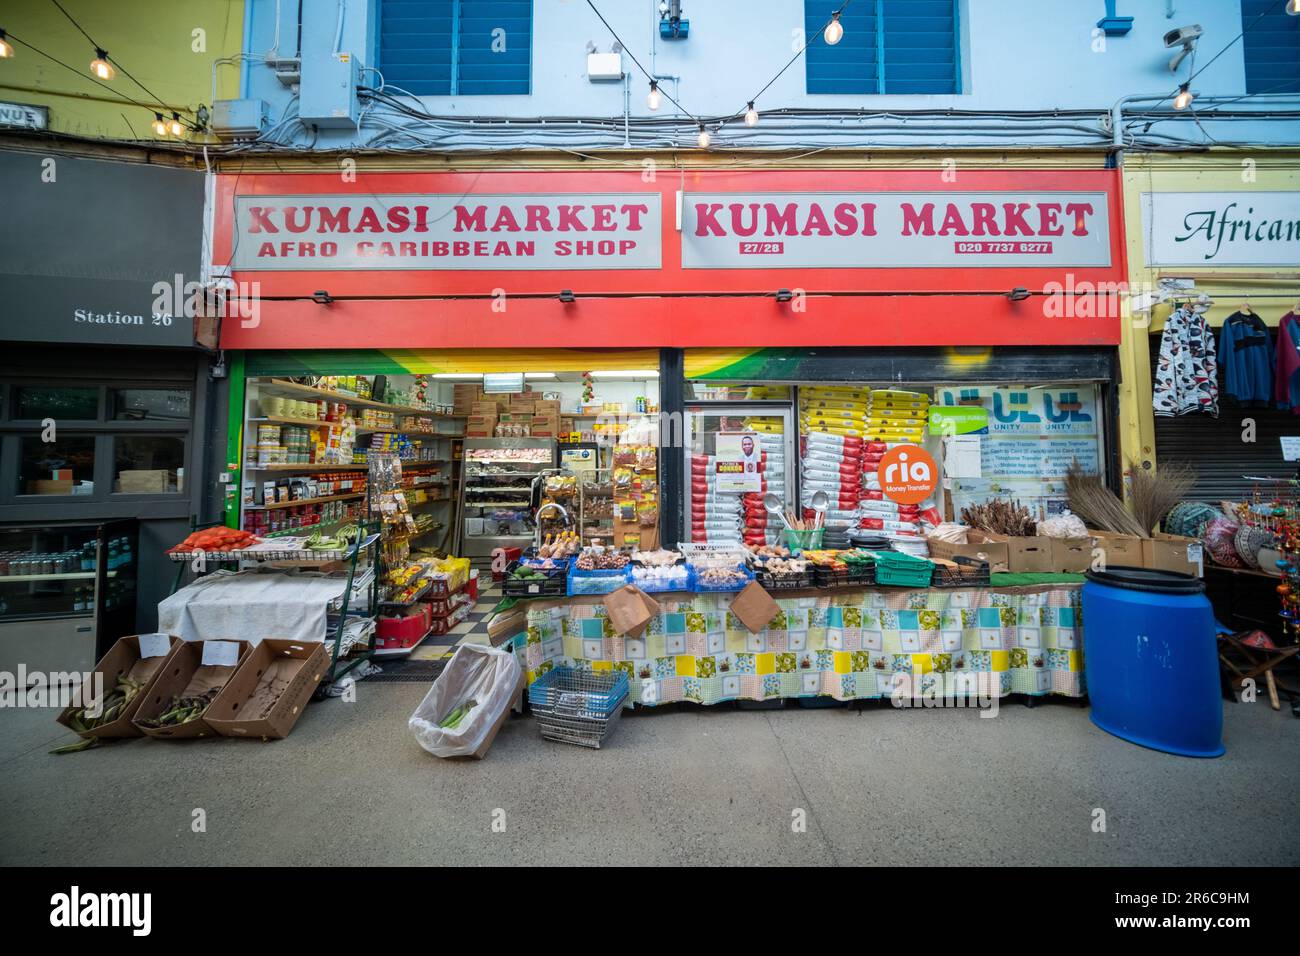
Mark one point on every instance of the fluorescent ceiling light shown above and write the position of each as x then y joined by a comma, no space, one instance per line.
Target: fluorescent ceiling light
628,373
458,375
539,375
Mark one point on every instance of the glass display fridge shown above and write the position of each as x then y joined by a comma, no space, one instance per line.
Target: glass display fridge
67,592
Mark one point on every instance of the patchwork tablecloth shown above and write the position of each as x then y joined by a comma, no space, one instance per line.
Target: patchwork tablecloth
843,644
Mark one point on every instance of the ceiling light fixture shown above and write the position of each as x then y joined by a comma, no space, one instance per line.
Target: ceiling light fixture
627,373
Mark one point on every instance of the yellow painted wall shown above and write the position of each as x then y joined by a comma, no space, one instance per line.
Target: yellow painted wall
1229,287
153,39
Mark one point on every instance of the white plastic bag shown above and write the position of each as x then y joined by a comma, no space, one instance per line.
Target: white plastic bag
491,677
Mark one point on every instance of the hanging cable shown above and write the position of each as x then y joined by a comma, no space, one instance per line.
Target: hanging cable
102,54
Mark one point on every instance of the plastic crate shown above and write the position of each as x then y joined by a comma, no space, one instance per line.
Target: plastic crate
855,576
972,573
895,569
596,582
655,587
740,585
553,583
782,582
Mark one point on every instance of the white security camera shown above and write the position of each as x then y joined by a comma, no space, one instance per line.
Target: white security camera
1184,37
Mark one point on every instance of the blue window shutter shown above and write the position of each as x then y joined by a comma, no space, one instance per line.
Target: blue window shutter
889,46
1271,47
415,45
444,47
850,66
484,71
920,46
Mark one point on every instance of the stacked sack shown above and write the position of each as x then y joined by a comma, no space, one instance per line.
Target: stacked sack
757,526
715,516
894,417
832,420
897,417
730,518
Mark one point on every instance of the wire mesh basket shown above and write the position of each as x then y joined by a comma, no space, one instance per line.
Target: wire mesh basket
576,706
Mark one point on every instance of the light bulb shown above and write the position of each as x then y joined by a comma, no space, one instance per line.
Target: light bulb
653,97
6,48
1293,8
100,68
176,127
751,115
703,138
834,31
1184,98
159,125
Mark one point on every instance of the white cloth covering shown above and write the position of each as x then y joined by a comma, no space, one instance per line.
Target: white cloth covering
250,606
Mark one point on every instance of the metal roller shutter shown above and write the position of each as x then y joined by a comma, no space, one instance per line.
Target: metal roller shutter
1214,446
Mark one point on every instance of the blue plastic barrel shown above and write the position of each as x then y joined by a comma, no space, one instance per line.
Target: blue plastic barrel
1150,660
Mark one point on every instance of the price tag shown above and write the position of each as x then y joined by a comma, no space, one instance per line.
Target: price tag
154,645
220,653
1290,447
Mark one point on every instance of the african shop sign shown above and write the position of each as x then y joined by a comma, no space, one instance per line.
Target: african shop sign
566,231
895,230
1222,229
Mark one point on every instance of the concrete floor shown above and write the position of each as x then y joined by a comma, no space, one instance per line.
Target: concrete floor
351,786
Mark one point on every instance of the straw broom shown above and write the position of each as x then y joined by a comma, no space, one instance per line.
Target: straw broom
1097,505
1153,494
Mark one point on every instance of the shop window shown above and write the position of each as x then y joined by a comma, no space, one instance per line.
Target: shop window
64,466
457,47
1271,41
151,404
888,46
38,402
148,464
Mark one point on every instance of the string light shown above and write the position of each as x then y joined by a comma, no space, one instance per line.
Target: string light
6,48
751,115
1293,8
703,138
176,127
159,125
1184,97
834,31
653,97
100,68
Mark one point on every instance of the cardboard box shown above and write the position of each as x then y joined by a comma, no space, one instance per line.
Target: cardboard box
546,407
484,408
1120,550
49,486
1171,552
1025,555
185,675
505,626
268,693
754,607
123,660
157,481
1072,555
978,546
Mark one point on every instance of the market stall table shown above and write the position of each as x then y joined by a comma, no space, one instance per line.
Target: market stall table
845,644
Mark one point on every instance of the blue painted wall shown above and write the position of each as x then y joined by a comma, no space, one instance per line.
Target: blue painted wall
1016,56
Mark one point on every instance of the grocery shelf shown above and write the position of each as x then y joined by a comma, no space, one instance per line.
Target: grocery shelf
60,576
307,467
303,501
280,387
281,420
407,431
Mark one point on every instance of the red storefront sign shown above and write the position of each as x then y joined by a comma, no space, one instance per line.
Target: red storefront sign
464,260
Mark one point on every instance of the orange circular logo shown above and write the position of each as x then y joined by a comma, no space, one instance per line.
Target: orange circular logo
907,474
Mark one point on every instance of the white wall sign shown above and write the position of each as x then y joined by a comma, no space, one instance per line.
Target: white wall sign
940,230
1245,228
24,116
569,231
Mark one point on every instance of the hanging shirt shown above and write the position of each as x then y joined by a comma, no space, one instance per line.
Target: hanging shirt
1286,383
1186,378
1246,354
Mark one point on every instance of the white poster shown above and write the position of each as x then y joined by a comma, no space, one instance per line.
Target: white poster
739,456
